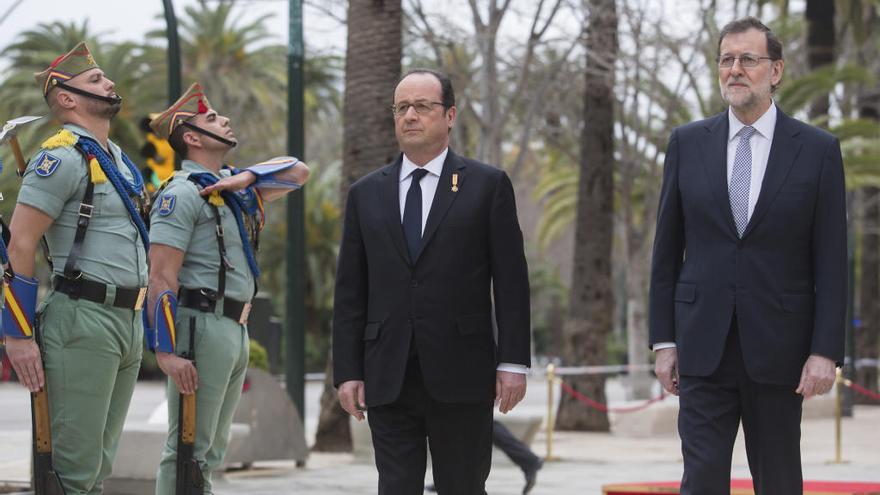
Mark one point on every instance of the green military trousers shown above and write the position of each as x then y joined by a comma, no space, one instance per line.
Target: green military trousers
92,355
221,360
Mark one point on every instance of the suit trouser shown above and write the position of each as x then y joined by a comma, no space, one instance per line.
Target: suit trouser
512,447
459,436
92,356
710,412
221,361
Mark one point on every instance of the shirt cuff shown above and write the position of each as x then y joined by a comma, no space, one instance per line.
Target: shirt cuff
663,345
513,368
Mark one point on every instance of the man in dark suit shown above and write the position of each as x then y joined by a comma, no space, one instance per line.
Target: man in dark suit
748,285
431,247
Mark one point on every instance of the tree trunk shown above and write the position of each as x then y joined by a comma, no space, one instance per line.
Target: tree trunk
820,46
867,334
333,433
372,67
592,303
489,146
640,381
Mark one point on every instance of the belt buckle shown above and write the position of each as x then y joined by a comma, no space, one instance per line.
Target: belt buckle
245,312
142,295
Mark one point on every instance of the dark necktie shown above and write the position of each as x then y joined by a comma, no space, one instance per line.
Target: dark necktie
412,214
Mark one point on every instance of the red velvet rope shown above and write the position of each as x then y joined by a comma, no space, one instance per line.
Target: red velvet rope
862,390
604,408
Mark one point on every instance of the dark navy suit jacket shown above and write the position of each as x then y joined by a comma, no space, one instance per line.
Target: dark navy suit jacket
785,279
440,304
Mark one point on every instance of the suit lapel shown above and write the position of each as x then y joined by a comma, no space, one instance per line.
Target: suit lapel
715,159
443,197
783,151
391,205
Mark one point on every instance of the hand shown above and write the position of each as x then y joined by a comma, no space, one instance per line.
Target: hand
24,354
180,370
300,173
351,398
817,376
666,369
235,182
510,388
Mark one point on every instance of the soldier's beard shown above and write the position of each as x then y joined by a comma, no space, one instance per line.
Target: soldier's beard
103,109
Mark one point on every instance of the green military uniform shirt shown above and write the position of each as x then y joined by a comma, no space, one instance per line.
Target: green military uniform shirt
182,219
54,183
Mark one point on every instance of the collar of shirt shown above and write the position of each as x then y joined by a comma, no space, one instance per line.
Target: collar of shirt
192,167
82,131
765,125
434,167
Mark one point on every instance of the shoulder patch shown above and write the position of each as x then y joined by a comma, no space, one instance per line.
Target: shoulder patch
166,204
45,164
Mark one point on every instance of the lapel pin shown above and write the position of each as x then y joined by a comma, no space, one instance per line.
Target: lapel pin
455,182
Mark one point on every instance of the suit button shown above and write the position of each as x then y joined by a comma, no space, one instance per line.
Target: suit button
413,283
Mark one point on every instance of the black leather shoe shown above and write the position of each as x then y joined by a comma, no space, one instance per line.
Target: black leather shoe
532,476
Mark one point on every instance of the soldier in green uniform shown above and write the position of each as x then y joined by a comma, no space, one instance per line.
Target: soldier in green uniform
84,195
203,272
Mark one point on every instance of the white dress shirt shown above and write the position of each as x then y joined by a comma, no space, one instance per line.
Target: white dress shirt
760,144
429,188
429,182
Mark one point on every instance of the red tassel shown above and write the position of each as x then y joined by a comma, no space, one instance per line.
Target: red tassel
202,107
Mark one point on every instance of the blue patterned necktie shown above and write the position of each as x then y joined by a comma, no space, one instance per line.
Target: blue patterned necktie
741,180
412,214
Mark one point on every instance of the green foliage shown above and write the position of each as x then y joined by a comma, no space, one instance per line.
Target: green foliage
322,227
559,188
243,70
549,298
258,357
795,95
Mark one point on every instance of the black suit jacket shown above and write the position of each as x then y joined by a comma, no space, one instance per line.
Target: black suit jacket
471,246
785,279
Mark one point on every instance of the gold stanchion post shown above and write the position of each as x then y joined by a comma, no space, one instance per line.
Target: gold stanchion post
838,418
551,383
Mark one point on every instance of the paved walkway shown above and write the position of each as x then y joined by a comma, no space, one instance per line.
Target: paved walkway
586,460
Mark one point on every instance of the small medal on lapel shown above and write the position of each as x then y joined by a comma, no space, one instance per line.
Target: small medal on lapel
455,182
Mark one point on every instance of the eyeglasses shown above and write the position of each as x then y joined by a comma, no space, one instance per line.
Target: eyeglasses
746,61
421,107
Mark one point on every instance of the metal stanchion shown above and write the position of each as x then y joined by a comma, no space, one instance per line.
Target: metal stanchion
838,419
551,383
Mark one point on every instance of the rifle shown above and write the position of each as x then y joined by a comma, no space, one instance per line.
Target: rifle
46,480
189,474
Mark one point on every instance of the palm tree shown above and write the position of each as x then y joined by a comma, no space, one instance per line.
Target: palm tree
35,49
32,52
372,66
592,302
241,70
866,34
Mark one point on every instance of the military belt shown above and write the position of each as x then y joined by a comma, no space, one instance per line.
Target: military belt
80,288
205,300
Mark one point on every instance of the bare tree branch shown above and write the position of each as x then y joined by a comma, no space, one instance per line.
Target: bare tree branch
537,104
427,33
534,39
9,11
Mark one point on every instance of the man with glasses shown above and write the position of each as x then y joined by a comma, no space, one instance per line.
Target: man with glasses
748,284
431,253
